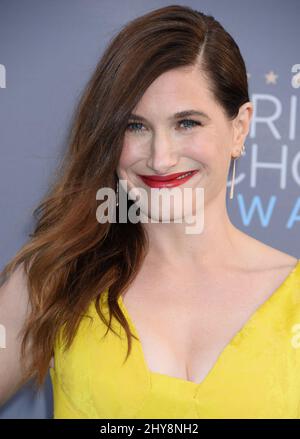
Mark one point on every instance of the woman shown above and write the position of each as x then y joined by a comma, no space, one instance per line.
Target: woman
204,329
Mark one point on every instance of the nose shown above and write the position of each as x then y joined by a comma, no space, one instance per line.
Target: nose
163,154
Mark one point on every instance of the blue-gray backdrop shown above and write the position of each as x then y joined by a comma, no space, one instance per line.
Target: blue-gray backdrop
48,50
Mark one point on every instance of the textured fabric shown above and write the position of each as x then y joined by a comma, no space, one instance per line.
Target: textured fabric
257,375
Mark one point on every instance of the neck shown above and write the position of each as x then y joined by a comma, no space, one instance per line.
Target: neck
218,243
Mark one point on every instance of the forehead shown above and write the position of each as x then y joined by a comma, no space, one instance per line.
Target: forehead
175,90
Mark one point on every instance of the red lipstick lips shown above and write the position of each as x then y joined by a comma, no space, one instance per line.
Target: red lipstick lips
170,180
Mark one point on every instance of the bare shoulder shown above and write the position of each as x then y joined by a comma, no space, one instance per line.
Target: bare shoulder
279,258
14,293
264,257
14,308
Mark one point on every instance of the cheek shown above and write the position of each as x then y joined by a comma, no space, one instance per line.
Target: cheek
200,148
127,155
208,147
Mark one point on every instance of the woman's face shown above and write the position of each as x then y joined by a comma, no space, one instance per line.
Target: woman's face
158,143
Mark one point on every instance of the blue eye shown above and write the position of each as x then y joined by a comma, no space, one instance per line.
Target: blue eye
136,126
193,123
130,126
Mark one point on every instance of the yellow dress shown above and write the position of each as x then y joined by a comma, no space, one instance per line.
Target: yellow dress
257,375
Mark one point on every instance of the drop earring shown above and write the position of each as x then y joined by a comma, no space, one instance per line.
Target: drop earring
117,193
232,179
243,152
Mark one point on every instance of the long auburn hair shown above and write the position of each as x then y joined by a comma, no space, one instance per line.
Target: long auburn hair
70,258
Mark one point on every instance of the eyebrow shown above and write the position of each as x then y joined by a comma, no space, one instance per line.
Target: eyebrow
177,115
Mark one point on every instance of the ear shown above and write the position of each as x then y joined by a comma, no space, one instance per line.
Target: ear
241,125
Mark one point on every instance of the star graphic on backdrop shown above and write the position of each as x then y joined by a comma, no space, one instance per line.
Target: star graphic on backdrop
271,78
248,75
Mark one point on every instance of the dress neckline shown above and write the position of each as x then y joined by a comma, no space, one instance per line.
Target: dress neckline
250,321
